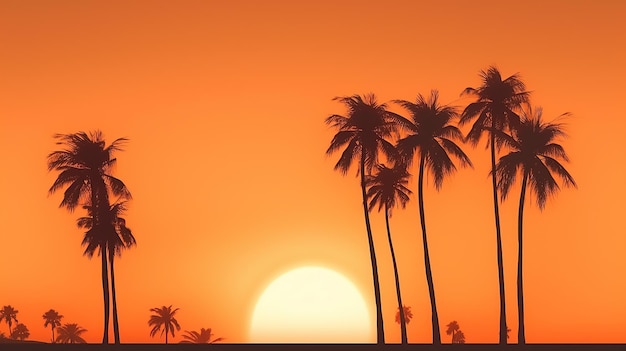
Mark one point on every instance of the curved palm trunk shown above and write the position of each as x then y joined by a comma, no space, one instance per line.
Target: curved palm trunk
429,274
116,327
521,333
52,327
395,273
105,289
498,237
380,332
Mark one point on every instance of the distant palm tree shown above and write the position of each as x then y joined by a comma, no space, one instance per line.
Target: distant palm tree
459,337
408,315
203,337
84,164
70,333
52,318
117,239
8,314
534,154
20,332
163,317
387,186
453,328
364,132
494,110
431,138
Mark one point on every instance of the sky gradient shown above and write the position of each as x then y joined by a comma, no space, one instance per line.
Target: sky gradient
224,104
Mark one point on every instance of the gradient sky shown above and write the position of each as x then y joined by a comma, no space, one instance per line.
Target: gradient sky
224,103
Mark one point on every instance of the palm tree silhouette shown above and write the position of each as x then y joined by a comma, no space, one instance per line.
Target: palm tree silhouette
84,164
408,315
70,333
205,336
494,110
453,328
52,318
117,239
363,133
385,187
20,332
431,138
8,314
535,154
459,337
163,317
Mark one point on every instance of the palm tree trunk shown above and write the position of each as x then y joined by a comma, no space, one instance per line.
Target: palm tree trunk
116,327
166,332
521,333
52,327
395,273
498,237
380,332
105,289
429,274
452,341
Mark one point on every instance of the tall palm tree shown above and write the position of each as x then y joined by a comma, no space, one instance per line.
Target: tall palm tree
20,332
453,327
495,109
117,239
364,132
52,318
387,186
535,155
205,336
84,164
70,333
8,314
431,138
408,315
163,317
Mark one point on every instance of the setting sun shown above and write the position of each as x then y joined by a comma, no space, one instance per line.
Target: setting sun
311,304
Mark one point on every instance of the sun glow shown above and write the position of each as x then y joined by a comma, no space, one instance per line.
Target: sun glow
311,304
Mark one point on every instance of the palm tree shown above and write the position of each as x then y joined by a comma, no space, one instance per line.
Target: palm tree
431,136
494,110
20,332
459,337
52,318
70,333
84,164
363,132
8,314
453,328
203,337
117,239
385,187
535,155
408,315
164,317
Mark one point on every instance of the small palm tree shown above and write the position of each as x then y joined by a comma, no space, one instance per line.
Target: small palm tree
459,337
408,315
205,336
20,332
70,333
8,314
364,133
535,155
52,318
431,137
84,166
387,187
453,328
497,101
163,317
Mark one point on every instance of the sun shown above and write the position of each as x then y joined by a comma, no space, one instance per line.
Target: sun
311,305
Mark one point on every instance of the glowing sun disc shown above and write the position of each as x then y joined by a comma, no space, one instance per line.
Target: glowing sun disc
311,305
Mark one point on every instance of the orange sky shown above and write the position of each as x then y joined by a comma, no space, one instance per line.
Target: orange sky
224,103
